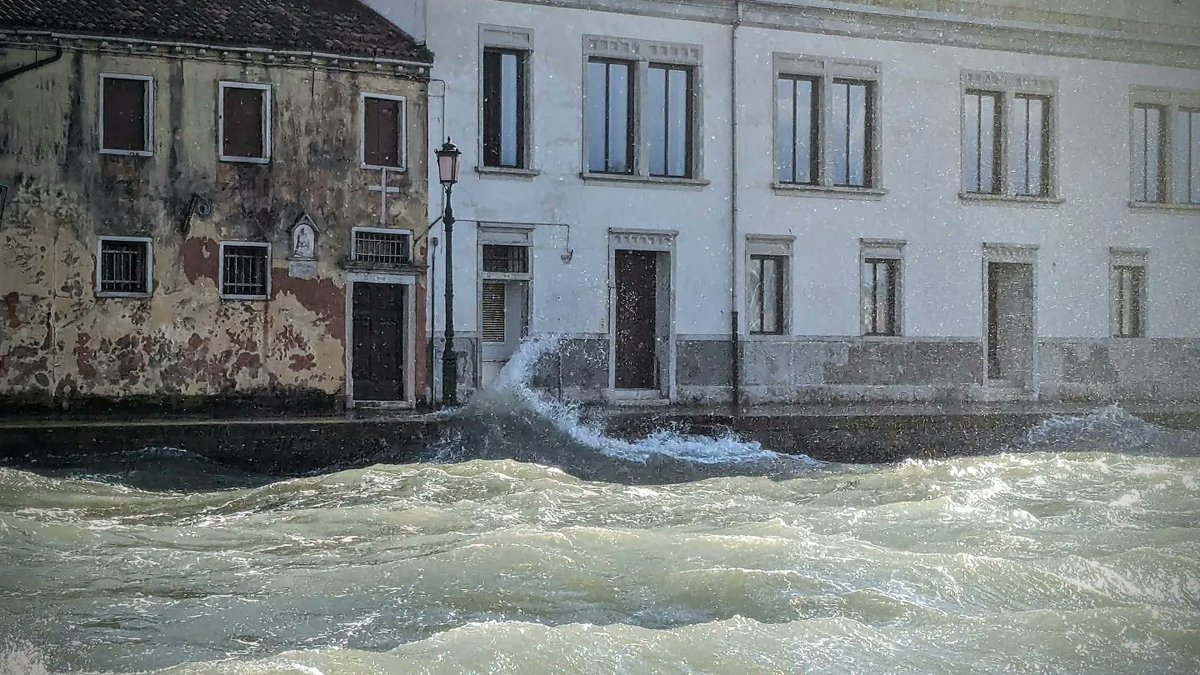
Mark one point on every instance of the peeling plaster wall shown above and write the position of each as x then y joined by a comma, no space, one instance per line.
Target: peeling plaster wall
57,339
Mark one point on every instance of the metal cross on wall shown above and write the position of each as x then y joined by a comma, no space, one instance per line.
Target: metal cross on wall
384,190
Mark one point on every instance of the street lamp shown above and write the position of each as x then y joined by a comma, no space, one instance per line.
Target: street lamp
447,158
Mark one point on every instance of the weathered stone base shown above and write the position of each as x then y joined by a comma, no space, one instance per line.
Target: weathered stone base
862,370
290,401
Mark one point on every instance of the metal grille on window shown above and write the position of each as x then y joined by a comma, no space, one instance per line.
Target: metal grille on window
123,266
506,259
493,311
245,271
381,248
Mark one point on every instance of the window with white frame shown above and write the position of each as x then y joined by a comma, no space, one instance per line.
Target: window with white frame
383,131
124,267
126,114
827,131
379,246
642,110
1165,147
1127,289
245,270
244,122
881,263
768,284
504,96
1008,135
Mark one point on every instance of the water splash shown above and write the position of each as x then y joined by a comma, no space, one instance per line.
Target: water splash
509,419
1110,428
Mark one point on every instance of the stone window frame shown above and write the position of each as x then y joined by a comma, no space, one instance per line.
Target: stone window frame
402,125
147,128
887,249
771,245
1010,86
641,53
149,242
1118,258
268,120
826,69
511,38
1170,101
221,270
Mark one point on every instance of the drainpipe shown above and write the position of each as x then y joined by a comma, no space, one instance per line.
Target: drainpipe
10,74
735,365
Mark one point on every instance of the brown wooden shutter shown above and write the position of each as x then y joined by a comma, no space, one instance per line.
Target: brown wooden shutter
125,114
243,123
492,311
381,132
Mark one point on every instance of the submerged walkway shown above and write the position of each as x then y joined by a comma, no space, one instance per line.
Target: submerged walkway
289,444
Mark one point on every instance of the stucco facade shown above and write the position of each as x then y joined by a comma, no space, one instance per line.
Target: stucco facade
61,343
1090,62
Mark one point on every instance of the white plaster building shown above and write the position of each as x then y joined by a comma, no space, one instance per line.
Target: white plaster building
811,200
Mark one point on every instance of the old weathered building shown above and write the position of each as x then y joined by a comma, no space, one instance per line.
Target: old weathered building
211,201
800,200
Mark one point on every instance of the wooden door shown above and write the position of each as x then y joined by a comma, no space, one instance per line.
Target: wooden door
636,318
378,356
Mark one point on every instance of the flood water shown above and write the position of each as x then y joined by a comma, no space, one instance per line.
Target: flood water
531,543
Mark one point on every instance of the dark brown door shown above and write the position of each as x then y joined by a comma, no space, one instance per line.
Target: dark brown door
378,357
636,318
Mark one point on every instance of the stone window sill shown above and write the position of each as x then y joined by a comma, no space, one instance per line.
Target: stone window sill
833,191
1010,200
506,172
647,181
1165,206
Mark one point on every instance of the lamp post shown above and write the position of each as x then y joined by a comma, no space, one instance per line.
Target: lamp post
447,158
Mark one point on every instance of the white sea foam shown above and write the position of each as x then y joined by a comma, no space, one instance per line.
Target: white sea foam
514,383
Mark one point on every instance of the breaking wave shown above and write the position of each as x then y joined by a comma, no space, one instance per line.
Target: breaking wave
510,420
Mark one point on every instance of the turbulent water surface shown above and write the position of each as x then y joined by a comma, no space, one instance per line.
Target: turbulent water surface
532,543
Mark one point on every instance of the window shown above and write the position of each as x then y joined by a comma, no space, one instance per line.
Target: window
610,117
669,103
880,279
505,259
766,288
244,122
641,116
826,123
851,133
245,270
981,143
1165,147
768,284
1007,140
383,131
126,115
1187,156
381,247
1149,144
796,136
504,100
124,267
1032,140
1128,292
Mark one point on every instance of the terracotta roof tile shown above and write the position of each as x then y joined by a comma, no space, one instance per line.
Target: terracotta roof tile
342,27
